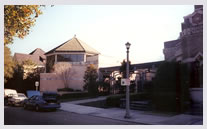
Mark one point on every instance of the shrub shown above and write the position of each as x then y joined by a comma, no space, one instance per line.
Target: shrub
171,87
114,101
90,77
65,89
78,90
105,86
139,97
74,95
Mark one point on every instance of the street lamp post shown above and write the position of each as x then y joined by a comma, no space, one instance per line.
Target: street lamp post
36,85
127,115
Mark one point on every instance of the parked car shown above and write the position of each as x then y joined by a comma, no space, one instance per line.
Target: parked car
8,93
30,93
48,101
16,99
50,96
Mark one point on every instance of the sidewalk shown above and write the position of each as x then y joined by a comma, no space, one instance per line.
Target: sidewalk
144,117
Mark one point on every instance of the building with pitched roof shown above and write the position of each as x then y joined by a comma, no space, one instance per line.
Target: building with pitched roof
36,58
74,52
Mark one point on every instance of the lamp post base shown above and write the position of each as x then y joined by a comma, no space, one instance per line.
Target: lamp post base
127,116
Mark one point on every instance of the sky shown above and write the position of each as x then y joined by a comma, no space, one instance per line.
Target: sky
107,28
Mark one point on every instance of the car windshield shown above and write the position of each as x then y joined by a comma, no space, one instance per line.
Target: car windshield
13,95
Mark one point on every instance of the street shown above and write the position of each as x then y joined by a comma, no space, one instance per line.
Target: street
19,116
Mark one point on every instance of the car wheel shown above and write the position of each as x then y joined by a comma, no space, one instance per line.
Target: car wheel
37,108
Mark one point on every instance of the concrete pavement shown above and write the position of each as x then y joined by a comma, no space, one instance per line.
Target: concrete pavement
143,117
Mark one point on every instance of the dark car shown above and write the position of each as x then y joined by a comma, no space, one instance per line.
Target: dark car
50,96
30,93
44,102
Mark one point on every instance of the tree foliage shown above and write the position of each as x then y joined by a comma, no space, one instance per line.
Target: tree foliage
171,87
28,67
123,68
8,64
18,19
90,79
19,81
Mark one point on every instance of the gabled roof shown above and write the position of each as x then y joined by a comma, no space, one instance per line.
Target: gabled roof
38,52
37,56
73,45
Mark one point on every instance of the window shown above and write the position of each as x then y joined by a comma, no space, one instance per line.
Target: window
70,57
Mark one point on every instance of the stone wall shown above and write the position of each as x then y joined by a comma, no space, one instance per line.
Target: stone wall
192,45
190,42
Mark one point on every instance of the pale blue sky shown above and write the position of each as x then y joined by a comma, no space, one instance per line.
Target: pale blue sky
107,28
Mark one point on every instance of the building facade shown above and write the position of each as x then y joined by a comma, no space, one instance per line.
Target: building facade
78,55
189,46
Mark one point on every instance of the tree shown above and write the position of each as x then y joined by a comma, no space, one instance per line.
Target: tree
104,86
29,67
24,77
123,68
18,19
17,80
64,71
8,64
90,79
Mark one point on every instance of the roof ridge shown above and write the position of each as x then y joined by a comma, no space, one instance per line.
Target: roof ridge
57,47
33,51
74,45
37,49
88,46
80,44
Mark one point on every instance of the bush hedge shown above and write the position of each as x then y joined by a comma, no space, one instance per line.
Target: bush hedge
139,96
114,100
65,89
74,95
171,87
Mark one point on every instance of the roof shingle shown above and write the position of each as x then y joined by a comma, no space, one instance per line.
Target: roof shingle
73,45
37,56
